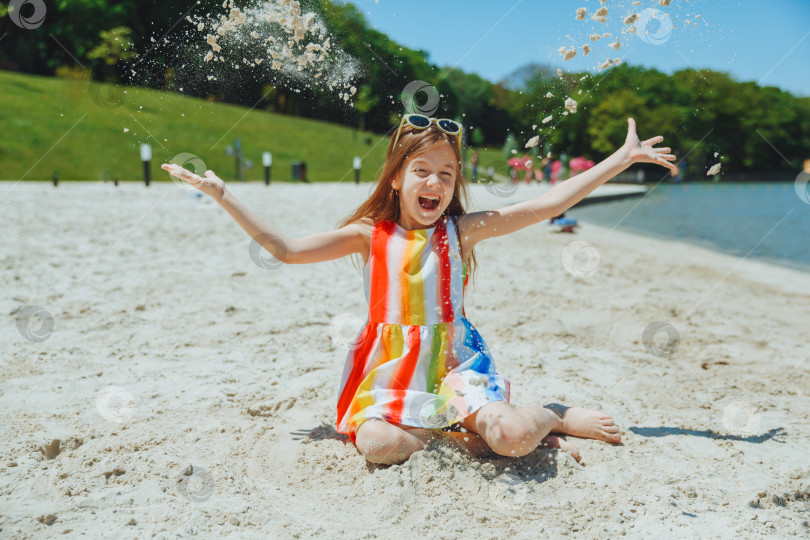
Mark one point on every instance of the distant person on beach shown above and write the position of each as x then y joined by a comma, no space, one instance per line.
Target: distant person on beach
474,163
564,166
556,171
547,168
419,367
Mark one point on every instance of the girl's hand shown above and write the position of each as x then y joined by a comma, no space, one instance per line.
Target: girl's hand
211,184
635,151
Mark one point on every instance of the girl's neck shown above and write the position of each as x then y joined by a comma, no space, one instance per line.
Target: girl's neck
411,225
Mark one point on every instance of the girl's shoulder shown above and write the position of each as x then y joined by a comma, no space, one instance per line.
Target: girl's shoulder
365,223
363,227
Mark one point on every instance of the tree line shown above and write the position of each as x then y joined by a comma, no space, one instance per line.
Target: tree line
699,112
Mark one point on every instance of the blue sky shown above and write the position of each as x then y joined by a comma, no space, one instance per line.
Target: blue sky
754,40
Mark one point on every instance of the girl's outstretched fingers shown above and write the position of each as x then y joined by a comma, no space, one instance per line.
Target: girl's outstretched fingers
211,184
637,151
632,137
181,173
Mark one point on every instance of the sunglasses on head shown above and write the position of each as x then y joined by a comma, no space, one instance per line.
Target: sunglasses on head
420,121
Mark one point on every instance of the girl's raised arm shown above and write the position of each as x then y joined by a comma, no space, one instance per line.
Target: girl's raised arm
477,226
324,246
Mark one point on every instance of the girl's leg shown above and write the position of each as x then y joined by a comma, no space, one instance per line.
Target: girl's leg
383,442
480,449
511,432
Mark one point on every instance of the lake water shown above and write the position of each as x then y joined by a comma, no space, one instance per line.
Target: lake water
767,219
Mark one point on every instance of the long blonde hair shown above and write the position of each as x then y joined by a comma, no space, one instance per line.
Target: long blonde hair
383,203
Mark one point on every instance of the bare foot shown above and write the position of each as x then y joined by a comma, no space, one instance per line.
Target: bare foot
586,423
552,441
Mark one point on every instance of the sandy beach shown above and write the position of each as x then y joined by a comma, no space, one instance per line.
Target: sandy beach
191,384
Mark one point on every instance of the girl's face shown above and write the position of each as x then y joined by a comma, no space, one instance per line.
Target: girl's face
426,185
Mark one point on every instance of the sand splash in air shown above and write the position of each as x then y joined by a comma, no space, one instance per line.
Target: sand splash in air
571,105
600,15
276,35
568,54
714,169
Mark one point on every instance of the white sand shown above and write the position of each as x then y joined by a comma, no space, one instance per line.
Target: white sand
231,370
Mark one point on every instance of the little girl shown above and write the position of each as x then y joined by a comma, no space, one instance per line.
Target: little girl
419,369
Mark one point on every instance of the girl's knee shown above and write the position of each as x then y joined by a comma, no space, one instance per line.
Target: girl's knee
383,443
514,438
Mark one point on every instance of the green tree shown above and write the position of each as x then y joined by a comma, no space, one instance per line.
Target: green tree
608,127
115,46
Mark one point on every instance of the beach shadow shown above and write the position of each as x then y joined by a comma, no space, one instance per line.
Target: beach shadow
663,431
320,433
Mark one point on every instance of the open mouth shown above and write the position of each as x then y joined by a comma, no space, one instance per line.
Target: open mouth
429,202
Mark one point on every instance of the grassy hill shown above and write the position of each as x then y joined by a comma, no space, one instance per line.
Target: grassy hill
85,130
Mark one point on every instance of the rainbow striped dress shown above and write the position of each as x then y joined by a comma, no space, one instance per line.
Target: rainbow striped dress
417,361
